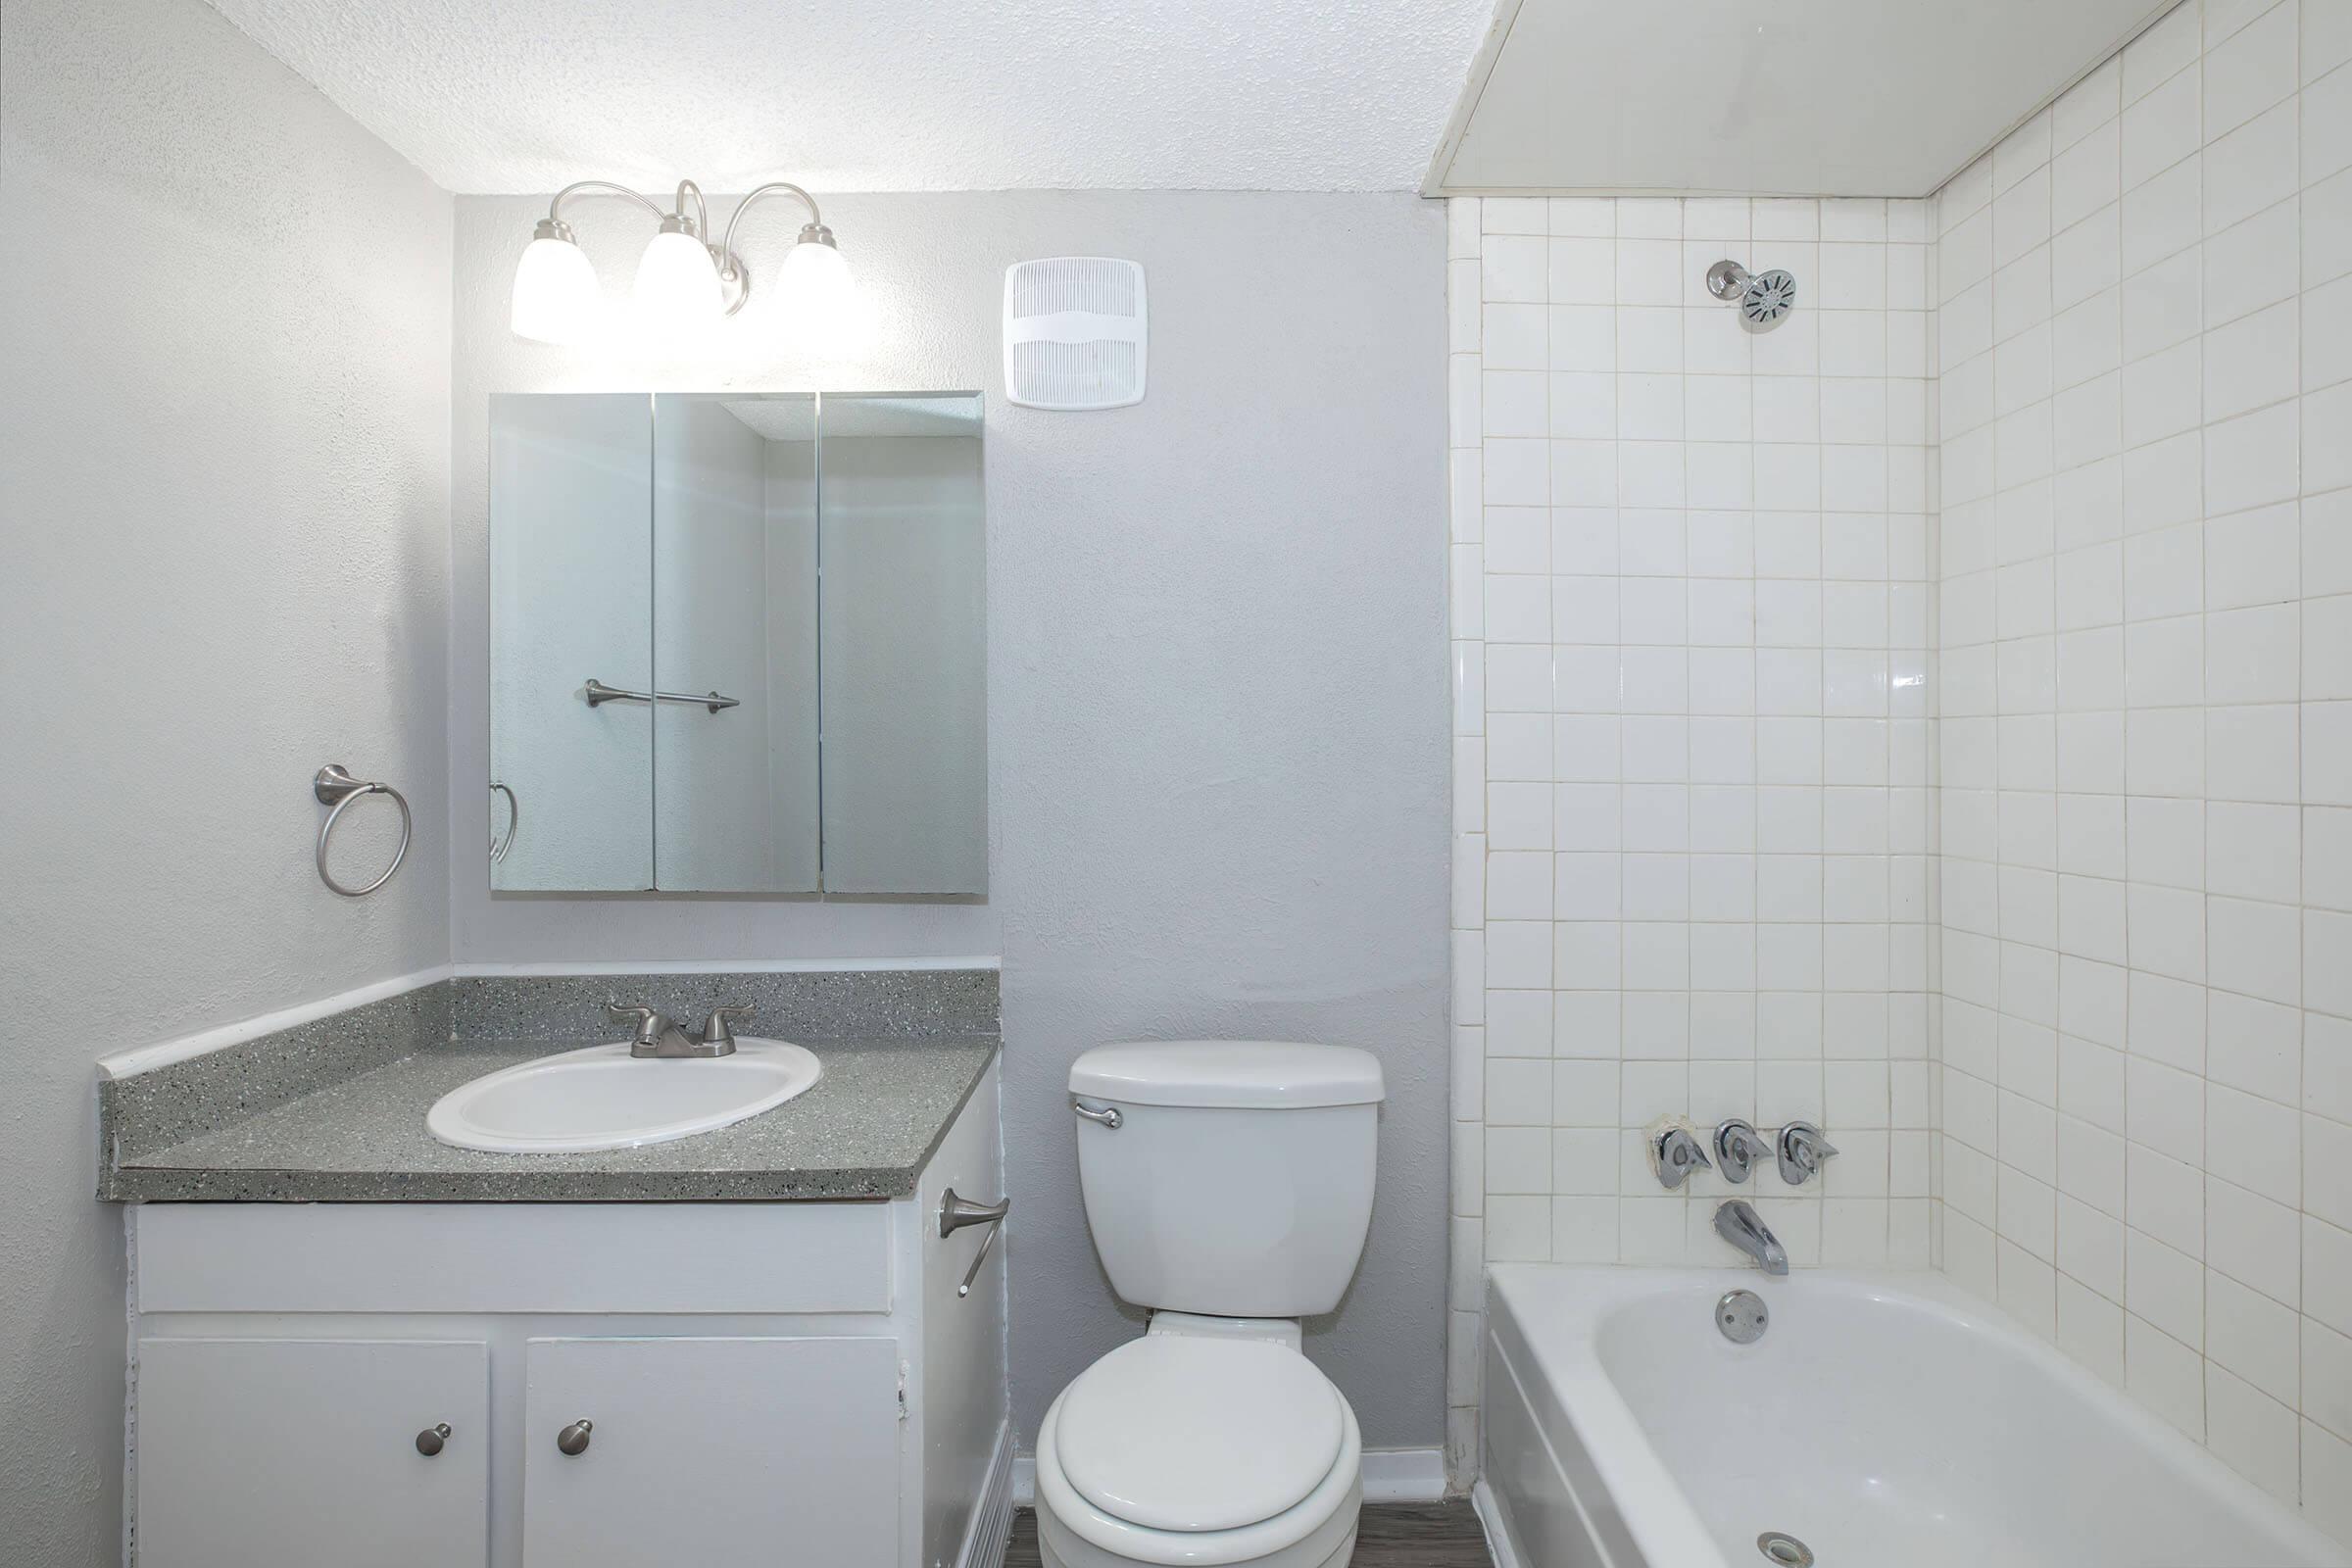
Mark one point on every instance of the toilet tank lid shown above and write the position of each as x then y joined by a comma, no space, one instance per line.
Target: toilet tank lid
1228,1074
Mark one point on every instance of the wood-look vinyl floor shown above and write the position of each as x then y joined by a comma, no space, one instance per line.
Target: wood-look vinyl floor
1392,1534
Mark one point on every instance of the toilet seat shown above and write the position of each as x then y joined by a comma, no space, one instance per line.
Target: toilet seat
1155,1459
1172,1432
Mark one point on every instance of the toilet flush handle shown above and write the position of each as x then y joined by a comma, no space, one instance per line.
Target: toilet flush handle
956,1212
1107,1115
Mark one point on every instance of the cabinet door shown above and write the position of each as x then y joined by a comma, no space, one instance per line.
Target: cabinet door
741,1451
290,1453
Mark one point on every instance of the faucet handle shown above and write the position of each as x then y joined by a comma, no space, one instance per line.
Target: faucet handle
1802,1151
650,1023
1738,1148
1678,1155
718,1030
643,1017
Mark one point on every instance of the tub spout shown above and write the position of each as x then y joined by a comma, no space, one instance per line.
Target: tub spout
1736,1223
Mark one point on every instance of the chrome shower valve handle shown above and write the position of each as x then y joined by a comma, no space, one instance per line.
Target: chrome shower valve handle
1803,1151
1738,1148
1679,1155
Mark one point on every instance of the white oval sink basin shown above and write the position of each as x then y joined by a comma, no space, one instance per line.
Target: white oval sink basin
604,1098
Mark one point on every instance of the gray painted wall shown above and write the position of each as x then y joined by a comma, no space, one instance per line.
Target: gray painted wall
1217,688
223,470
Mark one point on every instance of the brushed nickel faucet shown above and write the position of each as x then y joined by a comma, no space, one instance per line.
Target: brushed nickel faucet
657,1034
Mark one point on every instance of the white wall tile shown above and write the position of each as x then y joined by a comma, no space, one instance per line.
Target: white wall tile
2250,69
1512,268
2118,521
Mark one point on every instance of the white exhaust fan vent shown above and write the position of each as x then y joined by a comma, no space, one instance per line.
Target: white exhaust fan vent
1074,333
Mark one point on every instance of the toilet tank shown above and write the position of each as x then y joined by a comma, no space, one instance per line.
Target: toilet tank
1238,1182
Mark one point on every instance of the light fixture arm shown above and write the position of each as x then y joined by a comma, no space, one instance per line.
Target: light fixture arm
729,271
728,244
702,214
555,209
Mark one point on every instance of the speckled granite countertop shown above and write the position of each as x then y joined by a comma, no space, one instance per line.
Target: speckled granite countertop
864,1132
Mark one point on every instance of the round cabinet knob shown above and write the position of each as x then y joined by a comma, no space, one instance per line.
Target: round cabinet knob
573,1439
430,1441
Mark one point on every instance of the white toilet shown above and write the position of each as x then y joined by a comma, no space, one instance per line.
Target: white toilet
1229,1187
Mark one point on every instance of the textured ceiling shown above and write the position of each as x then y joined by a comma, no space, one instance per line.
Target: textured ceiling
886,95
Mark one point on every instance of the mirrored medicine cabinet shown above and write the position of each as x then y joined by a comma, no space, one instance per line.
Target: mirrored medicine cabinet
738,644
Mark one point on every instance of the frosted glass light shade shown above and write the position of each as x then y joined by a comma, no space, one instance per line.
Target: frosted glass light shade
556,296
818,298
678,285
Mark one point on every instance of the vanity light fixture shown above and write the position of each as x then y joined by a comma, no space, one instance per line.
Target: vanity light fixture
685,283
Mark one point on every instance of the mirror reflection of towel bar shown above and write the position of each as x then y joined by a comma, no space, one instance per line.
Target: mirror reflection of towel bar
599,692
500,844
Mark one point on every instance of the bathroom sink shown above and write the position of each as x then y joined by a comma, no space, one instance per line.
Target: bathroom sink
604,1098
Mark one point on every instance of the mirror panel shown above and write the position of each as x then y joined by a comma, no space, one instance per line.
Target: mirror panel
906,641
738,644
735,615
570,544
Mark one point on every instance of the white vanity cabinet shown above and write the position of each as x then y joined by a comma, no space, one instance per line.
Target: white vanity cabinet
696,1451
272,1453
623,1385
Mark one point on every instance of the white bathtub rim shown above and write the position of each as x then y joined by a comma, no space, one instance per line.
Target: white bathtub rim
1637,1478
1647,1499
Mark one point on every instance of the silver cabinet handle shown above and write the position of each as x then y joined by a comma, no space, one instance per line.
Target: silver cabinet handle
1107,1115
430,1440
572,1440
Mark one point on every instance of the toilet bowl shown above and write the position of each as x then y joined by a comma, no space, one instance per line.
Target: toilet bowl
1205,1442
1228,1185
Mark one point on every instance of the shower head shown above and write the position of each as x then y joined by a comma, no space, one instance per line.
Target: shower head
1764,297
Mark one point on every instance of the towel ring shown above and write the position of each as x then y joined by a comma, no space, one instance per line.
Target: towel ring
500,844
335,787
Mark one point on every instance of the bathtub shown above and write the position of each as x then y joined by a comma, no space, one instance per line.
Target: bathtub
1883,1421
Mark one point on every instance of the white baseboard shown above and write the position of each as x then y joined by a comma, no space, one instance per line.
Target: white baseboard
1391,1474
992,1520
1405,1475
1499,1544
